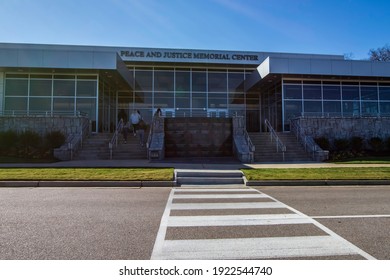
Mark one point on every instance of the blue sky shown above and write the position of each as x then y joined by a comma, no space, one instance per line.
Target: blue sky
302,26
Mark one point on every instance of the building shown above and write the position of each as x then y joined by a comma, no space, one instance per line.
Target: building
97,82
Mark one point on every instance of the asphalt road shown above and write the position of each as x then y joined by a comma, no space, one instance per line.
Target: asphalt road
359,214
122,223
79,223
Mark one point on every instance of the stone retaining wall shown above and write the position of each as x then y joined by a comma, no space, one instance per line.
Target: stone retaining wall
41,124
337,128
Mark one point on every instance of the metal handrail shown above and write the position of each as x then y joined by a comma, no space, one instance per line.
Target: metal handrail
274,135
75,141
114,139
308,142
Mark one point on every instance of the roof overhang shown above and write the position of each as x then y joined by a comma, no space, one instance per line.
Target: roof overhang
318,67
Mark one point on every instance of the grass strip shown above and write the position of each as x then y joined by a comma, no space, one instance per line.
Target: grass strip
338,173
85,174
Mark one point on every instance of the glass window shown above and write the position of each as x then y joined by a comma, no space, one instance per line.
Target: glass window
351,108
88,106
143,99
63,105
144,80
16,87
217,100
350,93
384,93
199,81
64,88
236,82
164,99
40,104
292,92
16,103
292,109
40,87
183,81
86,88
385,108
312,107
332,108
332,92
163,80
369,93
183,100
369,108
199,100
217,82
312,92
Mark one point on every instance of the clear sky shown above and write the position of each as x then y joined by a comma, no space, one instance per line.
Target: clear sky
299,26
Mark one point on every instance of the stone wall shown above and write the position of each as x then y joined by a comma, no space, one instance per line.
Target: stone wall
41,124
337,128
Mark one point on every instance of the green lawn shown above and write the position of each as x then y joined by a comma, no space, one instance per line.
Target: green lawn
98,174
336,173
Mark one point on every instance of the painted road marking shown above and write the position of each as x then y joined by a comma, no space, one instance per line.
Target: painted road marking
327,244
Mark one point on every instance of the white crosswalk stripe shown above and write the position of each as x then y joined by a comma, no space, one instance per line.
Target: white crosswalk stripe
327,243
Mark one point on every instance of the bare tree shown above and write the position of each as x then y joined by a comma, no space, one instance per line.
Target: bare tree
380,54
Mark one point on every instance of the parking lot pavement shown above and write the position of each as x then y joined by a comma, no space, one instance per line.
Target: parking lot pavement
359,214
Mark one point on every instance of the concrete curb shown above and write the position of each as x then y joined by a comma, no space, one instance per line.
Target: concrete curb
317,182
85,184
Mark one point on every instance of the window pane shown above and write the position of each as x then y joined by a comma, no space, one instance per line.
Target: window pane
183,99
292,92
144,80
199,81
163,81
199,100
183,81
292,109
384,93
143,100
17,87
164,99
217,100
236,82
16,103
313,107
88,106
40,87
217,82
351,108
332,108
40,104
332,92
385,108
369,93
64,88
63,105
350,93
369,108
86,88
311,92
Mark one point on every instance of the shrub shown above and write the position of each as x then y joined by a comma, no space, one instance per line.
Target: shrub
54,139
323,142
341,144
8,139
376,144
356,144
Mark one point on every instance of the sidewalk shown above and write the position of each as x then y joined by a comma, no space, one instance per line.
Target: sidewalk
182,164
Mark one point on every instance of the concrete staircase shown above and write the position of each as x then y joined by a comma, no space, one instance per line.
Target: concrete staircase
266,150
208,177
96,147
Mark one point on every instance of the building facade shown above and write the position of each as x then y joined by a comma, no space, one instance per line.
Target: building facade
98,82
